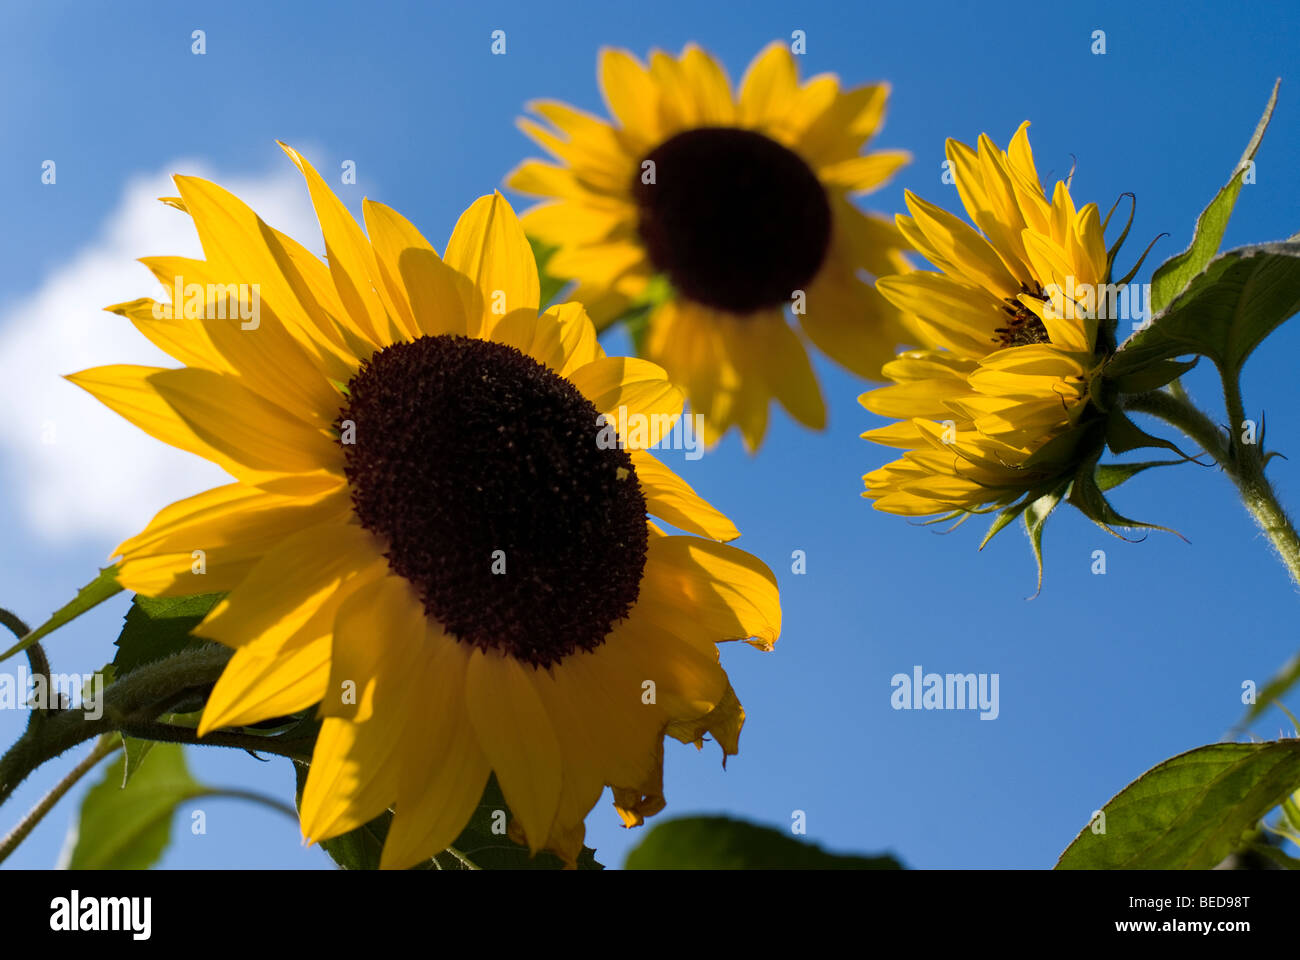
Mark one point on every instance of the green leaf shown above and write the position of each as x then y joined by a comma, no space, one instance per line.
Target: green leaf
1225,312
1173,276
128,827
722,843
481,842
1111,475
1274,690
550,286
1035,517
1280,857
91,595
1154,376
135,751
156,628
1190,811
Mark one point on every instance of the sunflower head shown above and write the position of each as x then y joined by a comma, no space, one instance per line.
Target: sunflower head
707,213
436,538
1005,408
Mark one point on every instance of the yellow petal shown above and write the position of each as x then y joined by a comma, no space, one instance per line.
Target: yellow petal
515,733
631,95
489,247
866,173
726,593
672,499
446,770
126,390
433,293
351,260
374,632
244,426
615,384
282,673
290,583
787,370
769,85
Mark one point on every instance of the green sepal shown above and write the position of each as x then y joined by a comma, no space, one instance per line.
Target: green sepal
1035,517
1057,454
1123,435
1282,681
1003,520
1119,242
1086,495
1111,475
1151,377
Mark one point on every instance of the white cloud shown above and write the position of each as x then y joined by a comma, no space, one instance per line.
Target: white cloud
75,469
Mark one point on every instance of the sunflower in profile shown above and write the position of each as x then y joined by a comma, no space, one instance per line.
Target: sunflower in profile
426,535
996,408
715,212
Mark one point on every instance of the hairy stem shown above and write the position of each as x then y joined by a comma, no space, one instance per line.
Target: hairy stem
36,657
132,700
1242,462
19,833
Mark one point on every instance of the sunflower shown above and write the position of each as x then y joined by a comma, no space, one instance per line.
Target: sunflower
426,535
993,409
713,213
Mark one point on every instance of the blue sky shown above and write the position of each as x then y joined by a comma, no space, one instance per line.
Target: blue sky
1100,676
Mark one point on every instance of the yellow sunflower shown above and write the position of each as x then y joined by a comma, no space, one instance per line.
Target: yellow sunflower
426,535
988,411
715,212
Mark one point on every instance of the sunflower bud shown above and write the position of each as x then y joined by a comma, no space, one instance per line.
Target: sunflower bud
1004,407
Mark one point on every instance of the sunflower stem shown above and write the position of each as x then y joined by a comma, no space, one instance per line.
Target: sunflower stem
28,823
233,793
132,700
1242,462
36,657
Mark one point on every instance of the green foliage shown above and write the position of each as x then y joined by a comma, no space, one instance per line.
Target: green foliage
1190,811
126,825
1172,277
722,843
156,628
1224,312
1280,683
1218,306
91,595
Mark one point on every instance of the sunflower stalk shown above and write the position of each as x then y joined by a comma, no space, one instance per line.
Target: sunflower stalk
36,658
131,707
1242,462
